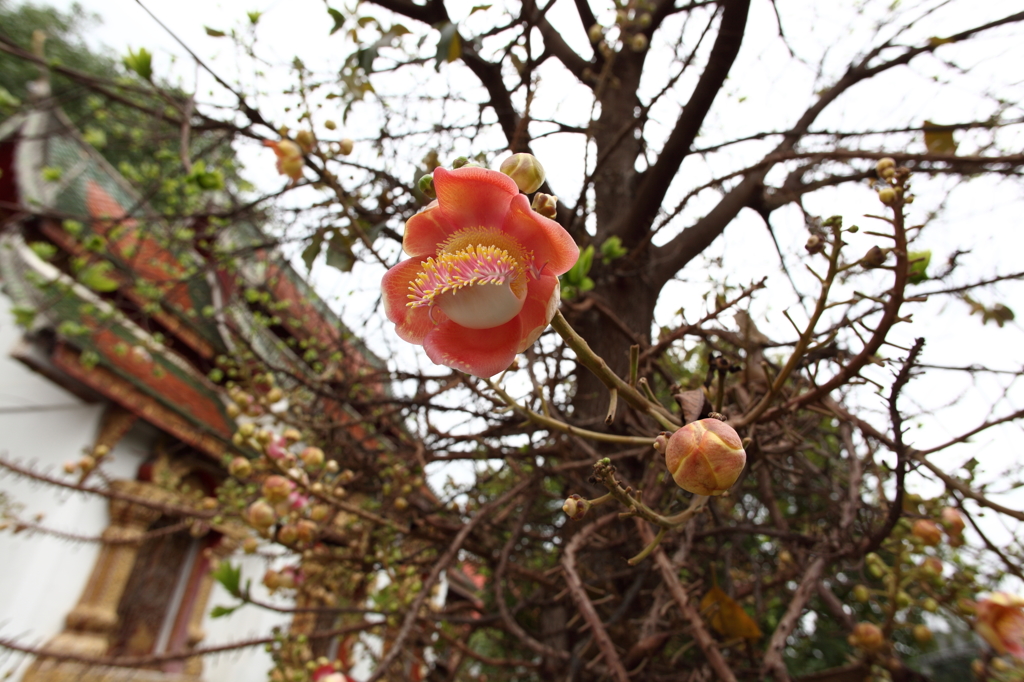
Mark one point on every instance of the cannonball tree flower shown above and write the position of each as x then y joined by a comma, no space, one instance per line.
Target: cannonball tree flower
1000,621
481,283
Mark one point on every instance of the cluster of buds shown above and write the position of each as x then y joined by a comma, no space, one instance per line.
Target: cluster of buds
893,184
288,578
705,457
929,532
89,460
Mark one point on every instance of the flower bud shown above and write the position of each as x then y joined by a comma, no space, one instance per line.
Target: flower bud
87,464
1000,621
272,580
305,140
638,42
250,545
874,258
954,523
927,531
704,457
426,186
887,195
576,507
312,457
70,467
240,467
288,534
930,605
867,636
291,435
595,33
261,515
526,170
861,593
101,451
277,488
922,633
330,125
815,244
306,530
932,567
346,146
319,512
885,164
545,204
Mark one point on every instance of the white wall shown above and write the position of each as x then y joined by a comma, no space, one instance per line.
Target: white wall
41,576
44,425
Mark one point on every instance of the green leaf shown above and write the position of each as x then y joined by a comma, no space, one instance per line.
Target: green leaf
23,316
51,174
310,253
449,45
339,252
45,250
221,611
479,8
95,277
339,20
73,227
230,577
938,141
254,17
140,62
919,260
611,249
214,33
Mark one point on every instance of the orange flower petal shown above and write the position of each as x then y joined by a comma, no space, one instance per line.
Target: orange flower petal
480,352
551,244
425,231
542,298
473,197
412,324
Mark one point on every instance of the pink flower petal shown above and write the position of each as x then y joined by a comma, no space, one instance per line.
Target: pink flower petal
542,299
480,352
550,243
412,324
425,231
474,197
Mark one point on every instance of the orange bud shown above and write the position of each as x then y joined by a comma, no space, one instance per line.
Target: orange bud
261,515
927,531
704,457
240,467
1000,621
954,523
867,636
312,457
277,488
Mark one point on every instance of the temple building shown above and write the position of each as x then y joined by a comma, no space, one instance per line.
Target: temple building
113,325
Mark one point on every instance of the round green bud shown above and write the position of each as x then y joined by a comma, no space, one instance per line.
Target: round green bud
526,170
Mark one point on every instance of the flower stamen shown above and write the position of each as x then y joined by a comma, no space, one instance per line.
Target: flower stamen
472,265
